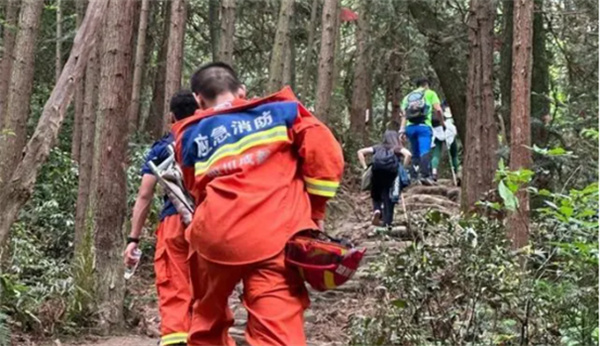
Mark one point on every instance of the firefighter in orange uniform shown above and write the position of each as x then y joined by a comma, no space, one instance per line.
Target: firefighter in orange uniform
260,171
170,260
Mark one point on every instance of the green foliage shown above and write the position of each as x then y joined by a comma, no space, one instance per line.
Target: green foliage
465,286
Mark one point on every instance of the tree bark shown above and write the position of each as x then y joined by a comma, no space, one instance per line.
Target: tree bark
59,34
174,56
395,88
138,70
10,31
281,46
213,23
18,190
481,143
540,79
21,86
506,64
88,130
362,74
326,59
79,95
312,26
109,199
154,124
289,66
520,156
447,66
226,43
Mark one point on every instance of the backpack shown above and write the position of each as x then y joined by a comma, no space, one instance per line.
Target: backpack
385,160
402,180
416,107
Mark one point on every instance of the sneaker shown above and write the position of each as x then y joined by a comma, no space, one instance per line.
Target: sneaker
376,220
434,177
428,182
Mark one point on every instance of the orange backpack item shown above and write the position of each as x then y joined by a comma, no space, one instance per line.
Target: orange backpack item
324,263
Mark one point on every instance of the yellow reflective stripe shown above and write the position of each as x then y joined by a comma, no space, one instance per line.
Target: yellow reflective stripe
318,187
329,282
323,183
173,338
319,192
276,134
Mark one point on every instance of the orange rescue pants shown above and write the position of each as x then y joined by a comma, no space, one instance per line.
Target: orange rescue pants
274,296
172,281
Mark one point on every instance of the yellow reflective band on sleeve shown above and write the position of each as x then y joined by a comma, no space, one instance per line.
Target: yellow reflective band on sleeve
318,187
329,281
173,338
276,134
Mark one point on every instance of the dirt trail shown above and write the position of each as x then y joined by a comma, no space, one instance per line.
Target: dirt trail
328,315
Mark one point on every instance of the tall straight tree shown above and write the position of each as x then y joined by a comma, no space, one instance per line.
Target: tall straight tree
361,92
505,75
482,136
88,130
59,34
79,94
21,86
227,31
520,139
14,194
540,78
280,51
138,70
214,25
312,28
109,197
281,54
174,56
155,122
327,59
11,17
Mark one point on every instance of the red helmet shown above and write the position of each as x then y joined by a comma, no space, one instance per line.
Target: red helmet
324,264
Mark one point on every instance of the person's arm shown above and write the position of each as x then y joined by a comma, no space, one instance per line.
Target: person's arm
439,113
361,156
402,131
407,156
321,161
140,213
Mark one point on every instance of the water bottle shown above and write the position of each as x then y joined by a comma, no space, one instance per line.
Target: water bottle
129,271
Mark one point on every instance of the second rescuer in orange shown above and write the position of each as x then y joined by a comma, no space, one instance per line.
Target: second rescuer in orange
260,171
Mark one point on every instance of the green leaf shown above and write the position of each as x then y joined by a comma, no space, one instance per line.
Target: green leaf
510,201
399,303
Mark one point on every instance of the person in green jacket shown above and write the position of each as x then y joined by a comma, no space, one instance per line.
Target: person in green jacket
417,111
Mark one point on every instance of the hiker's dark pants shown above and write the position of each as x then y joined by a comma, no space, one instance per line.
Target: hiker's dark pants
381,186
420,137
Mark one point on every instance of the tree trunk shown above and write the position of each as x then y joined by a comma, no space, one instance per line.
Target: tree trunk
362,73
138,71
447,66
312,26
10,30
395,88
21,87
109,199
480,161
154,124
19,188
174,56
88,130
520,155
289,66
59,34
281,46
79,95
227,31
213,26
506,64
326,60
540,79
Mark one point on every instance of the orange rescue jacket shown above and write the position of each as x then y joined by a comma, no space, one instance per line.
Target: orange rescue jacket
260,171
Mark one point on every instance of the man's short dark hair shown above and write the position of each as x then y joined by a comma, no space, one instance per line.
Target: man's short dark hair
421,82
183,104
213,79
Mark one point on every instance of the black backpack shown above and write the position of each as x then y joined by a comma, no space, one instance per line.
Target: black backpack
416,107
385,160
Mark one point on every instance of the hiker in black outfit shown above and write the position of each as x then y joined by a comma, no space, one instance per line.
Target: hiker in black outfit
385,162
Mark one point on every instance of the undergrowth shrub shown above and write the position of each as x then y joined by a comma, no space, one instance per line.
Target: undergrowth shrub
463,285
